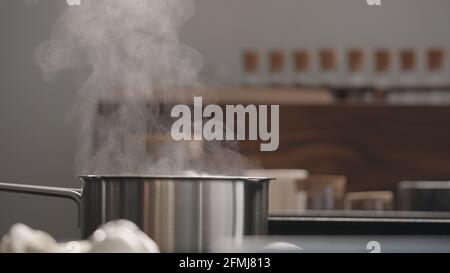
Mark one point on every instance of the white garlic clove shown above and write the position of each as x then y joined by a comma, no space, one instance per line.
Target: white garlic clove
122,236
22,239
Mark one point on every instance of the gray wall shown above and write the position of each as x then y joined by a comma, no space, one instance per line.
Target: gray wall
37,144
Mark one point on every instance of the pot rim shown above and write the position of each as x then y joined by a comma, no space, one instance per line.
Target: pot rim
176,177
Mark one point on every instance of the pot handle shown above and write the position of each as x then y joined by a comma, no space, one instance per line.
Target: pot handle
68,193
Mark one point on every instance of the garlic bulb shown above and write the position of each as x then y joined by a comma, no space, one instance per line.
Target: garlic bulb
115,236
22,239
122,236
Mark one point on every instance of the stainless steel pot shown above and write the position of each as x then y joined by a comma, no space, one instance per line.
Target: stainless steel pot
182,214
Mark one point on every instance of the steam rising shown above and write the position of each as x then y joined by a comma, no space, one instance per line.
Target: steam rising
135,62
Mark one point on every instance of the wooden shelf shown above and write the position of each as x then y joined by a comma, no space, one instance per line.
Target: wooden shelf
271,95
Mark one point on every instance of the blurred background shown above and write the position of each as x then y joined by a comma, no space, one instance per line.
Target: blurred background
364,95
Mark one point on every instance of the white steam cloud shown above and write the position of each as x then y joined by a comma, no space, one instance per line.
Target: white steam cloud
135,62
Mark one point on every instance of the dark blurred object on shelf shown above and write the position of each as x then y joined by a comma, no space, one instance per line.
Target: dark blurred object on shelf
424,195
